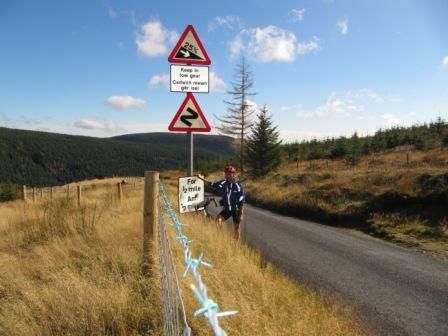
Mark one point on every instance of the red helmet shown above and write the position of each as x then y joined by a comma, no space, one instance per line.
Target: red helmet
230,169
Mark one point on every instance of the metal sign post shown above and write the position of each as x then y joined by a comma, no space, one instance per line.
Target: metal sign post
189,153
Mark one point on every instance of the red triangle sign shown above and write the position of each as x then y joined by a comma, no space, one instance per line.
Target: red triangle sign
189,49
189,117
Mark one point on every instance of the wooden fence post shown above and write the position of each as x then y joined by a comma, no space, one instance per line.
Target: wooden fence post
34,194
24,193
51,193
150,217
41,193
120,192
79,195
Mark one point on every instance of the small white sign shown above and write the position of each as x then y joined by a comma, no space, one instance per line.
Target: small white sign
189,78
191,192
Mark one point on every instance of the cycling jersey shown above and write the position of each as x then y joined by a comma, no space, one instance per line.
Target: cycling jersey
232,194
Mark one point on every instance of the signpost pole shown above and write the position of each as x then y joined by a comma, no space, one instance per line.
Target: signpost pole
189,153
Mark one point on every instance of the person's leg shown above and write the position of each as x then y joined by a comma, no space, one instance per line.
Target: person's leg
222,217
236,226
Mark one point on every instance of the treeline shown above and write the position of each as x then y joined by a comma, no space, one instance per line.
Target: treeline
41,159
422,137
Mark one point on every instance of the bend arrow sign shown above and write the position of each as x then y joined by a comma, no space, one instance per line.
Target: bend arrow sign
189,117
189,49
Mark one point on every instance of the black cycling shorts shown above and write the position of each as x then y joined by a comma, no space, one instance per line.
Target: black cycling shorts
226,214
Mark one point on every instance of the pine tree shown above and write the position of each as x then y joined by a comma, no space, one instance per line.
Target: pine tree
354,154
237,122
263,149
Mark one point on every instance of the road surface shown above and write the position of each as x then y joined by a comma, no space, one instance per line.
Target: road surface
396,291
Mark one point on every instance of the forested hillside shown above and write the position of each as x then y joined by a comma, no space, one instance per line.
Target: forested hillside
420,137
44,159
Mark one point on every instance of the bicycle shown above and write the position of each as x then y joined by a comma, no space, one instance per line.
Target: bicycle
203,206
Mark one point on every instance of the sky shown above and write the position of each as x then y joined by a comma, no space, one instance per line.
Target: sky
324,68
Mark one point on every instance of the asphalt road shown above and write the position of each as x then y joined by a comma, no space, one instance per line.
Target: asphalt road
395,291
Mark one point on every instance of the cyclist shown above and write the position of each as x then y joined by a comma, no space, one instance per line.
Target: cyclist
233,198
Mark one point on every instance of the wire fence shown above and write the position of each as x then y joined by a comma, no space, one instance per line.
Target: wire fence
173,305
209,308
16,192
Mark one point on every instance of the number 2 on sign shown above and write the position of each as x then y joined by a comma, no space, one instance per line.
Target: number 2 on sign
191,47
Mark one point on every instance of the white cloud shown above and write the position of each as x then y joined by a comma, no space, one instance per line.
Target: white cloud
297,14
334,105
312,46
96,125
160,80
265,44
154,40
124,102
445,61
217,84
229,21
296,135
391,120
368,94
251,105
343,26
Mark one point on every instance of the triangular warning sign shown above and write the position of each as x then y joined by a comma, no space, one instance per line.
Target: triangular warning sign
189,117
189,49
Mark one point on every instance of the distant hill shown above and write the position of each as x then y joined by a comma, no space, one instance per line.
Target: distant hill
217,144
42,159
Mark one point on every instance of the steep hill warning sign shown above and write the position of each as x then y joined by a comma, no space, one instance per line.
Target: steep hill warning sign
189,49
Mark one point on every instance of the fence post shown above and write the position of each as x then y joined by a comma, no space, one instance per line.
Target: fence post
150,216
120,192
68,192
34,194
51,193
24,193
79,195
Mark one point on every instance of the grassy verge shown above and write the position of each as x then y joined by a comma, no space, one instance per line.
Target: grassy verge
77,271
269,303
387,196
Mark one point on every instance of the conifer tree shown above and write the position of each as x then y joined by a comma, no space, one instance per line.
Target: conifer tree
263,149
238,122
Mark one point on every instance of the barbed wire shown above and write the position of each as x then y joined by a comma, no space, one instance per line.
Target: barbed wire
171,292
209,309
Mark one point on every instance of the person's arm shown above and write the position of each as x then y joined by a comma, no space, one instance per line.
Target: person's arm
208,186
241,200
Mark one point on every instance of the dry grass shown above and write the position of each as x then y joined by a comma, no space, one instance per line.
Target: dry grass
77,271
397,194
70,271
269,303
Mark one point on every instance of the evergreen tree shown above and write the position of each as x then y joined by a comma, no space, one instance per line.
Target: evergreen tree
237,122
263,151
354,155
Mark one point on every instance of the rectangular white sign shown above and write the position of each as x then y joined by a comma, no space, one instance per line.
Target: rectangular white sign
189,78
191,192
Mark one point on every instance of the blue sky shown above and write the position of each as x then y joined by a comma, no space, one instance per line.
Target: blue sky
324,68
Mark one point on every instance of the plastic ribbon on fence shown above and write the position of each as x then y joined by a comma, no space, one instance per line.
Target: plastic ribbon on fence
209,308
